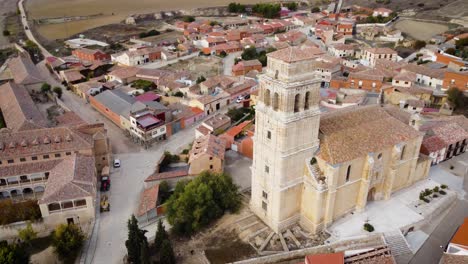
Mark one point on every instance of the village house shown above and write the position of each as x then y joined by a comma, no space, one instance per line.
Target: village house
85,54
328,35
240,138
404,79
47,163
22,70
452,140
226,48
209,86
134,57
241,89
243,67
326,67
383,12
291,37
207,154
457,249
455,79
211,103
370,55
370,80
342,50
426,76
213,125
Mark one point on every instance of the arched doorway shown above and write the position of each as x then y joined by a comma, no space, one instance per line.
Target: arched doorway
27,191
370,194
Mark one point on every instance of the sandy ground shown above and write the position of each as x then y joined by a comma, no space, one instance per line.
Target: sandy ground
198,66
110,11
5,7
420,30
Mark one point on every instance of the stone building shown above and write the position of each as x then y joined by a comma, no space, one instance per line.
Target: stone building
312,169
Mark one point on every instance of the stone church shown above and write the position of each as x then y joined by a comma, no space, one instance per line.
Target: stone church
312,168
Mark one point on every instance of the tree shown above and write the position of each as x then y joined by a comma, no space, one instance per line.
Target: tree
179,94
58,91
419,44
249,53
315,9
450,51
143,84
188,19
136,243
196,203
45,88
201,79
236,8
161,236
67,240
292,6
13,253
27,234
167,253
461,43
457,97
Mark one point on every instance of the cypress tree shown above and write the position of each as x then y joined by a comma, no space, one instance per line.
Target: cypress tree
136,239
161,235
167,254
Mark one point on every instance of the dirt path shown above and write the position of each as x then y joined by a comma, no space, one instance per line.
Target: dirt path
6,6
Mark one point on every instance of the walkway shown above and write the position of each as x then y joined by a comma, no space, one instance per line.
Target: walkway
24,21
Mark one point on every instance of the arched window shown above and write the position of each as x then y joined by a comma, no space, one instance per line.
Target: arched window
275,101
402,152
306,101
348,173
266,97
297,100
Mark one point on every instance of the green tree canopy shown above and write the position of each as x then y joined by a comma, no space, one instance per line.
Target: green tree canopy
161,236
27,234
196,203
13,253
236,8
58,91
188,19
166,255
67,240
137,243
45,88
456,96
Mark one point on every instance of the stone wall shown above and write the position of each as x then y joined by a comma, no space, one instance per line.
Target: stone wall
10,232
370,241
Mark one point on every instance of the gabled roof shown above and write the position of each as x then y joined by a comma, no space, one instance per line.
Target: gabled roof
73,178
24,71
18,109
210,145
148,200
354,132
294,54
461,236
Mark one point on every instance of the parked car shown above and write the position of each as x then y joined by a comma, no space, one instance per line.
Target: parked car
105,183
116,163
241,98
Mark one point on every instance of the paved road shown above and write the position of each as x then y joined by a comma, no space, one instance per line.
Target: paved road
434,246
228,62
24,21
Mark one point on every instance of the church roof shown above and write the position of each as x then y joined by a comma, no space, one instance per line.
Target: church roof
294,54
352,133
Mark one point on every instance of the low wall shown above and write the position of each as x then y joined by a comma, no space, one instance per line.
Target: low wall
10,232
372,240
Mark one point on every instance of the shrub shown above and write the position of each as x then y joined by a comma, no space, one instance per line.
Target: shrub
143,84
436,189
188,19
58,91
313,161
13,253
315,9
435,196
426,200
21,211
201,79
185,151
179,94
368,227
27,234
443,186
442,192
45,88
198,202
67,240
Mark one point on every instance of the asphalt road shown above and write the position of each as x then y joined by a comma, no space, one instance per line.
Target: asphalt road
433,248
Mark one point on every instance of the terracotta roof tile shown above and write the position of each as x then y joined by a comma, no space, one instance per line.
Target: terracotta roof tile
73,178
148,200
294,54
18,109
354,132
210,145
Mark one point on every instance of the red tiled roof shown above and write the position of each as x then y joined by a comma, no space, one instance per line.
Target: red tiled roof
237,129
148,97
167,175
148,200
330,258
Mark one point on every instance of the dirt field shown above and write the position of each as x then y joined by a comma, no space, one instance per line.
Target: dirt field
206,66
420,30
112,11
6,6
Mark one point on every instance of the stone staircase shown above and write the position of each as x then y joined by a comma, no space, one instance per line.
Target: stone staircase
399,247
